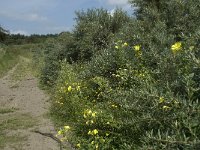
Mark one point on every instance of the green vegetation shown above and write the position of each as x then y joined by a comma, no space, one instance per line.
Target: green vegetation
6,110
93,32
12,55
22,121
3,34
12,122
121,82
15,140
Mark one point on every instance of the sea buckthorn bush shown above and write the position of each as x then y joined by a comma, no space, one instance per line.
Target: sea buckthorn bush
140,91
92,33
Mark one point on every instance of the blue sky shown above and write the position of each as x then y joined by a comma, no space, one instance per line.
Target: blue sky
48,16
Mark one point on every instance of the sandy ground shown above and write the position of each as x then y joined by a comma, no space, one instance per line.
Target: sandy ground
27,98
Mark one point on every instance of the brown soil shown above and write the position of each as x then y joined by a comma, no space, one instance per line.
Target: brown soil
26,98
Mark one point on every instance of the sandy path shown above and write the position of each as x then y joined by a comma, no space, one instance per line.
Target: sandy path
28,99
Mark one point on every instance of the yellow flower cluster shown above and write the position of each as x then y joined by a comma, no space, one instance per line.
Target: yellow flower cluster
89,113
116,47
161,100
78,145
141,74
89,122
114,106
166,107
70,88
93,132
176,47
125,44
63,132
61,103
67,128
137,49
120,44
97,142
90,116
59,100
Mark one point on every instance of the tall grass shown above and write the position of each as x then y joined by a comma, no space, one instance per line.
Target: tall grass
10,56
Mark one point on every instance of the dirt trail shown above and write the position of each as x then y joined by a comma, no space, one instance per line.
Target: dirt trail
26,98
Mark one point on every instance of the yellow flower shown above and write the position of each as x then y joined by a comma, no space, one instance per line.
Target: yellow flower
89,112
161,100
69,88
78,145
117,47
125,44
97,146
176,102
78,88
137,47
107,134
95,131
114,106
92,121
94,114
166,107
89,132
84,115
92,142
141,75
66,127
176,47
60,132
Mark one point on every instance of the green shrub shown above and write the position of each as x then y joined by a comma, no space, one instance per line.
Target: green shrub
93,32
53,52
134,107
141,91
95,29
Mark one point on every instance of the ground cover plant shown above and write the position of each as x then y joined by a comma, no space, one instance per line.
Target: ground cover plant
135,88
10,56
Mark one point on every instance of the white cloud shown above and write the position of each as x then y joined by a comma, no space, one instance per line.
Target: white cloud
124,4
32,17
57,29
22,32
117,2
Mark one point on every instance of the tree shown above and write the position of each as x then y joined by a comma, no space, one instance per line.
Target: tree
3,34
94,30
181,17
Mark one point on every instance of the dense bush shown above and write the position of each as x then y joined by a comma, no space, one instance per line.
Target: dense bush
95,28
53,51
141,90
93,32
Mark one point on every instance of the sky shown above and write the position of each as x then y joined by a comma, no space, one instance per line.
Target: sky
48,16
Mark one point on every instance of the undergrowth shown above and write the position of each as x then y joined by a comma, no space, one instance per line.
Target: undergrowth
132,86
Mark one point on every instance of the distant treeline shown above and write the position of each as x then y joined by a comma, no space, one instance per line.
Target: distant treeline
8,39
